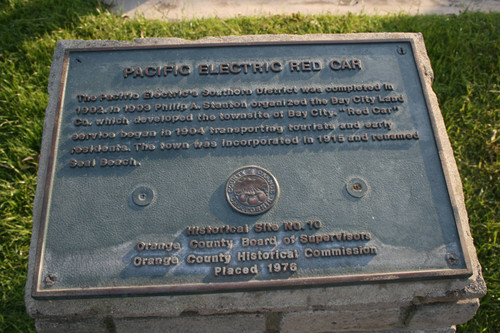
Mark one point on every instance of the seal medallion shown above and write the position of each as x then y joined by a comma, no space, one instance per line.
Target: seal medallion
252,190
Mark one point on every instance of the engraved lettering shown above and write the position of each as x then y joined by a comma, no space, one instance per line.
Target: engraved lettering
245,242
338,237
211,230
339,252
267,255
194,259
104,162
163,246
230,271
151,71
211,244
156,261
343,64
266,227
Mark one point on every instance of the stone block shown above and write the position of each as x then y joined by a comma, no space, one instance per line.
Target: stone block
442,314
59,325
336,321
244,323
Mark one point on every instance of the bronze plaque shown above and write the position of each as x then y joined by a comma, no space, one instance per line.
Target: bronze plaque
214,167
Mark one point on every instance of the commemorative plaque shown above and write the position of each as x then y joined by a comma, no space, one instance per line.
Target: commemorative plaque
208,167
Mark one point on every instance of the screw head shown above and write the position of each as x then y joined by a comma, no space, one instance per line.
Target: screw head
142,196
50,279
452,259
356,187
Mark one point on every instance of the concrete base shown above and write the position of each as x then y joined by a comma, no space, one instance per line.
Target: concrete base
112,316
229,324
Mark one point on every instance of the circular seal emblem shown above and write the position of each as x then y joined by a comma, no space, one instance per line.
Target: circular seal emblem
252,190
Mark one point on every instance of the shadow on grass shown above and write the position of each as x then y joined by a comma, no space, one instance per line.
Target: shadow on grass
31,19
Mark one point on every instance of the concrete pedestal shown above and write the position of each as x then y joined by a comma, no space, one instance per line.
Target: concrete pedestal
382,305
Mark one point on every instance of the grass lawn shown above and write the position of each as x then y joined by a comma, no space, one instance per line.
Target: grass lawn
464,52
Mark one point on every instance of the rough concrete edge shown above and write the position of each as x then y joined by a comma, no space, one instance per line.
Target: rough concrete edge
450,167
463,311
56,71
472,287
82,44
451,329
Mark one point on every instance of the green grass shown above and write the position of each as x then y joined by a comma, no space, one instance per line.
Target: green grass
464,52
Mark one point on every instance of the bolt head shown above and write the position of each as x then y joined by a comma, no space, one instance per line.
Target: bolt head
50,279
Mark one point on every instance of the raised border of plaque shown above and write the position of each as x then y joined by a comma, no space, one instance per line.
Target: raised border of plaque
355,187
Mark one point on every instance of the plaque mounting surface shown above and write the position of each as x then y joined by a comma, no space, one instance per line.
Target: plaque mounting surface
147,139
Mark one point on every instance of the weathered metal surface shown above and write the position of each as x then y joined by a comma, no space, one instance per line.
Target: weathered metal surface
147,141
